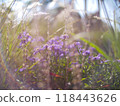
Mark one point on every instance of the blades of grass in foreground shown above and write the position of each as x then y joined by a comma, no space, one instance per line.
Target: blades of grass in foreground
33,65
5,14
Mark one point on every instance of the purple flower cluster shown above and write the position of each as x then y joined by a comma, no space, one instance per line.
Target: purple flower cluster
57,49
64,37
25,38
118,61
62,62
55,46
86,52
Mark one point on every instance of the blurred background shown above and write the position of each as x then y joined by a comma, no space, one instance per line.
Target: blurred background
78,16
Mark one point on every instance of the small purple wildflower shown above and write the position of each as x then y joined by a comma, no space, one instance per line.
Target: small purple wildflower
33,59
71,46
101,62
22,69
118,61
57,38
46,46
16,70
51,41
64,36
100,55
25,38
81,50
41,49
60,42
85,53
96,58
29,38
20,36
61,55
55,47
36,50
24,33
91,48
90,57
75,63
23,42
77,43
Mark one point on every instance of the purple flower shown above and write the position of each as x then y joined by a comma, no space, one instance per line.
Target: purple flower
101,62
56,37
41,49
33,59
16,70
60,42
29,38
91,48
81,50
85,53
61,55
46,46
55,47
100,55
75,63
23,42
22,69
64,36
77,43
118,61
96,58
24,33
51,41
25,38
36,50
90,57
71,46
20,36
